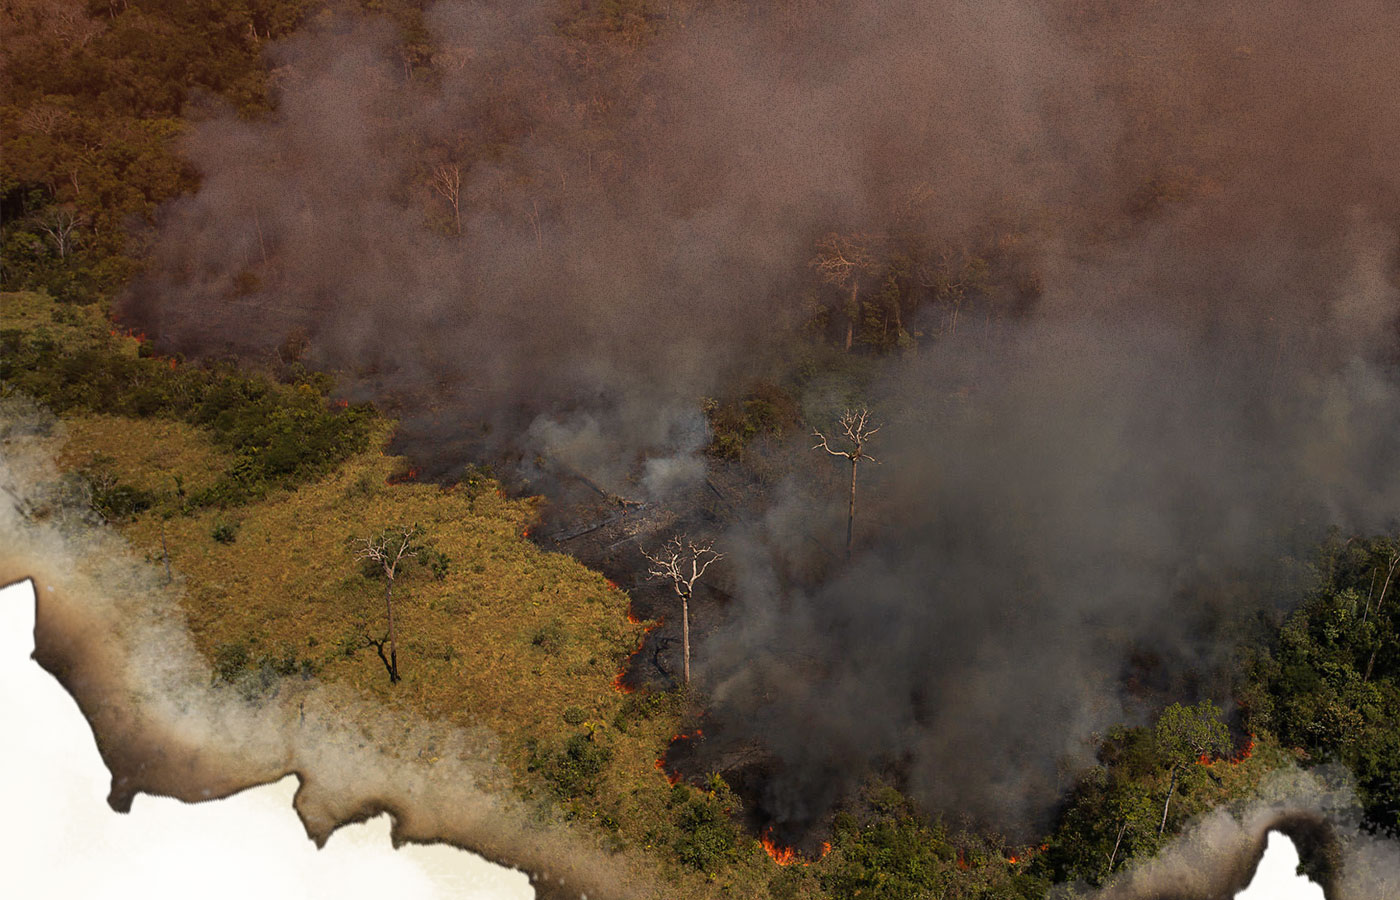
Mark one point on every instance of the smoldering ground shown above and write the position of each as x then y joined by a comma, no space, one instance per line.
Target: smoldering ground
1113,488
558,246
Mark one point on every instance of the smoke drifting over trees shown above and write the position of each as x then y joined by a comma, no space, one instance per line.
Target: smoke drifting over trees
1188,349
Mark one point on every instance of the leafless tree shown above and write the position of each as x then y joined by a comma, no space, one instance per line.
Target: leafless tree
60,224
857,431
683,562
841,260
388,548
447,181
44,119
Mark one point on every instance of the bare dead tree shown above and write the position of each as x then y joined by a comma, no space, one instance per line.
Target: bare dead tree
388,548
841,260
60,224
447,181
683,562
857,431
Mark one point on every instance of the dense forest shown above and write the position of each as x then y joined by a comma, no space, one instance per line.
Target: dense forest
1117,287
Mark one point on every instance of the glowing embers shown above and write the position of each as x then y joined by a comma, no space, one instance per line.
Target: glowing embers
1245,753
619,681
674,777
409,474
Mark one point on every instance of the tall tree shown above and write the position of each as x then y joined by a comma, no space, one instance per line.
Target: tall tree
1188,735
388,548
683,562
447,181
842,261
857,431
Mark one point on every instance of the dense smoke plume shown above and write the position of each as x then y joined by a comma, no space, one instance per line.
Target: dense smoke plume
1191,353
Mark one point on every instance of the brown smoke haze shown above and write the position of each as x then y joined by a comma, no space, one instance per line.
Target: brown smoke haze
1186,364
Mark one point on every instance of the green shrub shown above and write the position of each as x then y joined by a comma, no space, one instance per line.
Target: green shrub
892,857
549,637
280,435
575,769
436,561
224,533
707,839
230,660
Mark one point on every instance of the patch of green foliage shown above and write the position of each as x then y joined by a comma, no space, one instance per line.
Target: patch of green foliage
1329,683
256,675
765,409
575,769
281,435
893,855
707,838
108,497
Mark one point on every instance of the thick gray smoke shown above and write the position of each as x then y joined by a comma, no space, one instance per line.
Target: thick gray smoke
1106,489
1202,200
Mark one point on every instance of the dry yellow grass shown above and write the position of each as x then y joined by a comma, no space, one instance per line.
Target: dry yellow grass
511,638
149,453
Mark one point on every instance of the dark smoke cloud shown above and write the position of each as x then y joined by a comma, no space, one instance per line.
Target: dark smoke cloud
1206,195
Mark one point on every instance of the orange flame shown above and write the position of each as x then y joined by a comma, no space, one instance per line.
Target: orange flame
401,477
672,778
1245,752
612,586
962,860
783,856
787,856
617,680
525,533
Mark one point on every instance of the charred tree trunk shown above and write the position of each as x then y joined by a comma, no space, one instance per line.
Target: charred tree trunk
393,662
852,314
685,638
851,511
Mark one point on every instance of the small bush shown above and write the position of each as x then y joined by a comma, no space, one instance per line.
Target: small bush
121,502
575,769
708,839
476,478
230,660
549,637
224,533
575,715
436,562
